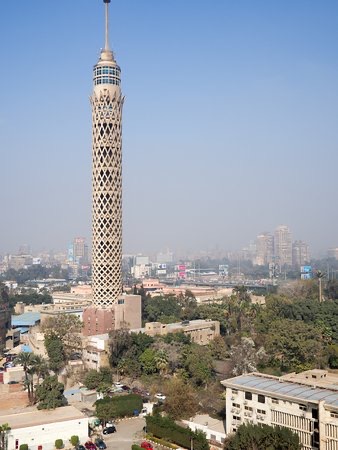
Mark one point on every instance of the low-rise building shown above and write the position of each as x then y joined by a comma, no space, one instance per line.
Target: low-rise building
306,403
40,429
214,429
200,331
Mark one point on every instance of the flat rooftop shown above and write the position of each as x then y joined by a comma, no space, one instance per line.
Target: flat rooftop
275,387
210,422
36,417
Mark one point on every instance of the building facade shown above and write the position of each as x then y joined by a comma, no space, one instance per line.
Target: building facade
283,245
305,405
264,249
300,254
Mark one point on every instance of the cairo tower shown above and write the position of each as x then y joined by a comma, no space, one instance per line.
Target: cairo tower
110,309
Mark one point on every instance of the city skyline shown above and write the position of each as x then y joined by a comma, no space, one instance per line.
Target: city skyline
227,132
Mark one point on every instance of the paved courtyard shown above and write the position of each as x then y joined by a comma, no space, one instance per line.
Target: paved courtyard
129,431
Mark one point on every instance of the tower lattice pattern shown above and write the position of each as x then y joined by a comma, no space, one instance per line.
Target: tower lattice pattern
107,196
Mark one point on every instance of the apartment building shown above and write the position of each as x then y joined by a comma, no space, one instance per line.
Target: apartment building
306,403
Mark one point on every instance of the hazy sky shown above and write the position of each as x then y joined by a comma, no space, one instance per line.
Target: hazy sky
230,120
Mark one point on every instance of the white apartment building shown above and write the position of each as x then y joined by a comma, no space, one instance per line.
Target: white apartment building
306,403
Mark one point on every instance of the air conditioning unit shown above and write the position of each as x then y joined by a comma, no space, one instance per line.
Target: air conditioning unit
245,413
245,402
234,422
232,398
232,410
250,414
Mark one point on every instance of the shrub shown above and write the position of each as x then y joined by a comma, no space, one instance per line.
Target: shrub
74,440
23,447
135,447
58,443
164,427
119,406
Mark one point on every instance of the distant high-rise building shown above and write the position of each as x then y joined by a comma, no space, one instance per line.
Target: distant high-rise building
333,253
283,245
80,250
300,254
264,249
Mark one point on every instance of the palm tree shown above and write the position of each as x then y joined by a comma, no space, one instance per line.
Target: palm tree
320,275
161,361
4,430
32,365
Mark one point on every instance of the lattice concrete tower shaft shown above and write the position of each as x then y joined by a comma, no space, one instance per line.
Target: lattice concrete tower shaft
107,103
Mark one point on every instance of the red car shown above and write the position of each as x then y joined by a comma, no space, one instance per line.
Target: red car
90,445
147,445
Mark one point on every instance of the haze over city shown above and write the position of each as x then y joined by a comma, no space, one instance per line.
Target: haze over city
229,124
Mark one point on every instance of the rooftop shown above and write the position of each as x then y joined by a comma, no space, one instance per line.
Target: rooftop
209,422
36,417
27,319
279,387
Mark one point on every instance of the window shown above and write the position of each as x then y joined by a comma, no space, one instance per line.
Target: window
302,407
334,414
236,417
248,396
274,400
247,408
261,398
236,405
261,411
235,391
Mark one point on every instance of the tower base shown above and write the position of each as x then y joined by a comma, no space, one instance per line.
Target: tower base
125,313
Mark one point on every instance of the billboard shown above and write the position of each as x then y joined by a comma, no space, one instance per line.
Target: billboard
306,272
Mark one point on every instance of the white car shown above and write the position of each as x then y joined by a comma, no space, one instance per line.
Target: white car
118,385
160,396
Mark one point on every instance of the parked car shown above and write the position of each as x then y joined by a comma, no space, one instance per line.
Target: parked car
118,385
90,445
80,447
100,444
147,445
125,388
160,396
109,430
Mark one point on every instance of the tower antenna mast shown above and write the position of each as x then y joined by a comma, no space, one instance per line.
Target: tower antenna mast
106,46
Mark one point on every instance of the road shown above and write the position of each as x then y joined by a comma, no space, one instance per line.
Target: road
129,431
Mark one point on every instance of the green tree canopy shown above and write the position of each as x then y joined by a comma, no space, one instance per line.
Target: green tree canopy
262,437
50,394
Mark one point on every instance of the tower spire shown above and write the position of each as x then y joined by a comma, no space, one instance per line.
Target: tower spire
106,45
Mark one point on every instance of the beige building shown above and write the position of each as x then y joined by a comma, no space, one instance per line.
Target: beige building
307,403
264,249
200,331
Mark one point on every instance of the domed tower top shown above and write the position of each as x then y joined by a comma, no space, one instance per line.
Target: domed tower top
107,71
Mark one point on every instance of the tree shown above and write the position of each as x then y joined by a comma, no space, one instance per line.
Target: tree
293,345
161,361
199,364
4,430
120,342
92,379
262,437
148,361
218,348
245,357
177,409
66,327
50,394
55,352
